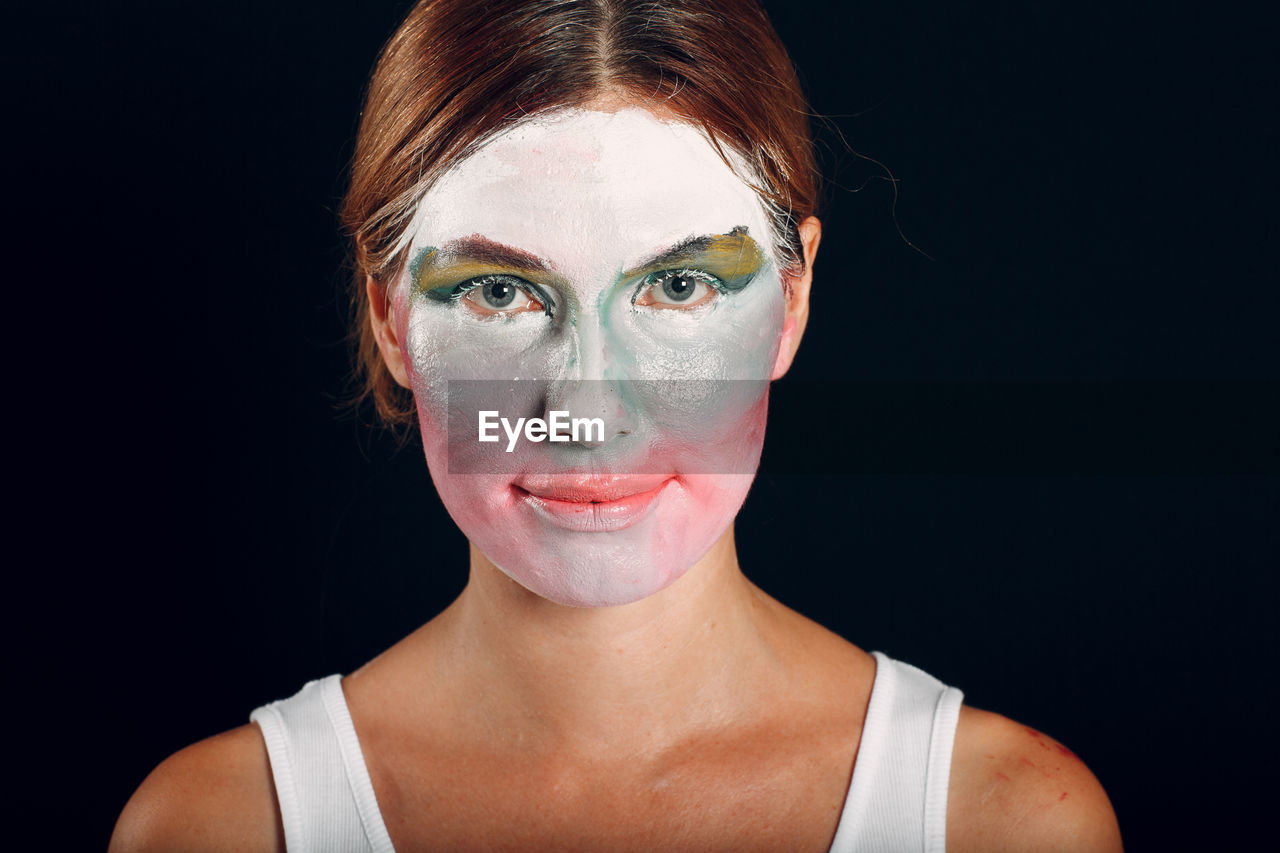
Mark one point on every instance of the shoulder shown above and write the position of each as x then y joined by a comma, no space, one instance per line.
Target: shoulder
1013,788
217,794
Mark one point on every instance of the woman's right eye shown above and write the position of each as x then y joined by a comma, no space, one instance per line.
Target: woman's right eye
494,295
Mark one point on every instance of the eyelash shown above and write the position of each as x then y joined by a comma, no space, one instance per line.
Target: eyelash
530,289
655,279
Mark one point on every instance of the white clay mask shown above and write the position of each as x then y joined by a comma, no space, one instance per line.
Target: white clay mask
608,266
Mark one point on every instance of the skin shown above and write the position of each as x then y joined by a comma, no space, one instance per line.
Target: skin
703,715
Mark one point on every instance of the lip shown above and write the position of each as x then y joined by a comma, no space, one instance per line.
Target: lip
592,504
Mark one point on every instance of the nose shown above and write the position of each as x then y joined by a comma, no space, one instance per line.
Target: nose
590,387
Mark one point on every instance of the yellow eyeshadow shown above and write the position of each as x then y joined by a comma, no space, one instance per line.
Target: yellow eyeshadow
729,257
448,275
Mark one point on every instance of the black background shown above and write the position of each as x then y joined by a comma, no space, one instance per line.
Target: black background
1091,190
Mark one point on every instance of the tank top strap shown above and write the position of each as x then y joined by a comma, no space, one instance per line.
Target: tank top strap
897,798
327,804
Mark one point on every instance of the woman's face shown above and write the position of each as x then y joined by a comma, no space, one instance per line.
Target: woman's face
609,266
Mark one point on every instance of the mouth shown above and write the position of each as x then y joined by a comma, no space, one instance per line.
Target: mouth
592,504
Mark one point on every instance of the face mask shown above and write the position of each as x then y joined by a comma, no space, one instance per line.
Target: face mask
612,268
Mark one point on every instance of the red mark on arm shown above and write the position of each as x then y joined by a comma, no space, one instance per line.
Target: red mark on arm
1041,739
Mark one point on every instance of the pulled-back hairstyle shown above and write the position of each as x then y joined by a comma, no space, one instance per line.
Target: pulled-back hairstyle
457,72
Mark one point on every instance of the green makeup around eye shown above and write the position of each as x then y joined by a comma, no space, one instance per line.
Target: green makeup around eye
421,262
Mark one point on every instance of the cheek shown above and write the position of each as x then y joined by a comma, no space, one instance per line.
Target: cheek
701,383
444,344
736,339
714,500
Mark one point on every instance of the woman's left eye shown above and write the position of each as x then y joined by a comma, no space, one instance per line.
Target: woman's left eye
677,289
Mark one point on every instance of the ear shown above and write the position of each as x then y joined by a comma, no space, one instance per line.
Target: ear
382,319
798,297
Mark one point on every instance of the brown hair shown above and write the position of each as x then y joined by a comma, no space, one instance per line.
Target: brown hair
457,72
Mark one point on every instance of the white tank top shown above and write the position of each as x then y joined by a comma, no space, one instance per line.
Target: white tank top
897,799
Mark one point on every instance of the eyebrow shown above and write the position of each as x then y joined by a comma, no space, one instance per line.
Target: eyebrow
734,257
480,250
692,246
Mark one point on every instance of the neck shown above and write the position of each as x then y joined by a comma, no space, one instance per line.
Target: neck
698,654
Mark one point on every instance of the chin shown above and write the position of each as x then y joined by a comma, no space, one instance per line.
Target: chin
570,562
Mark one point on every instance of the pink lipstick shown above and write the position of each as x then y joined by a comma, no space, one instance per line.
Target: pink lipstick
591,503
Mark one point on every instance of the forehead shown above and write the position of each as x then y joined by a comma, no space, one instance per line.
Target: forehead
583,188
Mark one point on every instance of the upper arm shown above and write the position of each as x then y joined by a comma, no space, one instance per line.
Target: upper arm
217,794
1013,788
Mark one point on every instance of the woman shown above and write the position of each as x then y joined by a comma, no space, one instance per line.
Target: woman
585,241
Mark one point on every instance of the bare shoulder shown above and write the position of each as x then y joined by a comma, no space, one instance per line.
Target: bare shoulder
217,794
1015,789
